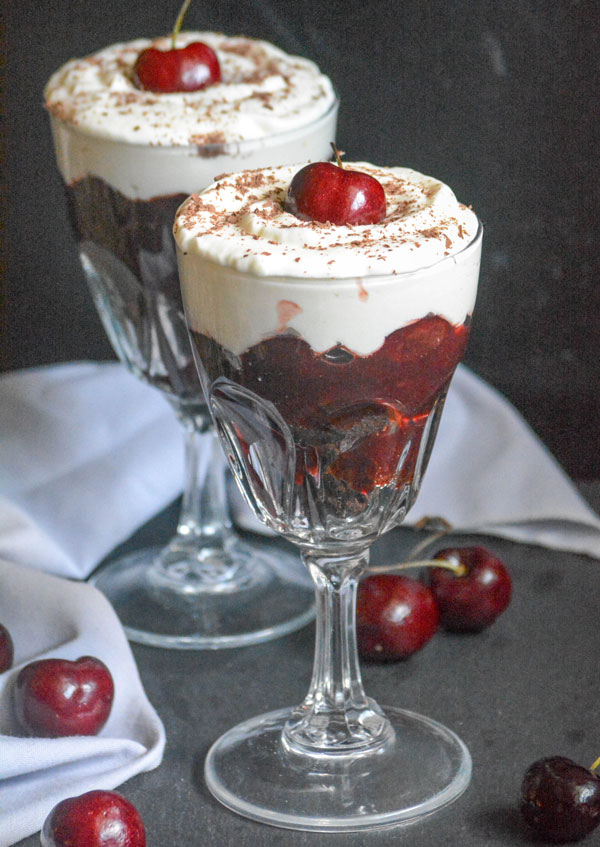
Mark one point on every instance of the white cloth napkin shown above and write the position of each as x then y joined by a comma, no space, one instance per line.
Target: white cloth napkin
491,474
52,617
88,453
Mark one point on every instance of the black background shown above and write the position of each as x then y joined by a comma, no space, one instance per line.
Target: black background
500,100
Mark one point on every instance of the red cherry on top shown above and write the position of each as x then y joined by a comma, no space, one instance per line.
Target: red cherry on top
395,617
179,69
95,819
330,193
472,600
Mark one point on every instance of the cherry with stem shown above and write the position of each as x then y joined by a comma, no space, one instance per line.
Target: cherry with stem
560,800
471,585
330,193
180,69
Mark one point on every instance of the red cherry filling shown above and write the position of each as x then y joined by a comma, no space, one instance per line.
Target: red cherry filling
57,697
179,69
329,193
472,598
94,819
560,800
395,617
6,649
348,445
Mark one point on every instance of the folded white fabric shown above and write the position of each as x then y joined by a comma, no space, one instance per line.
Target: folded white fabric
88,453
52,617
490,473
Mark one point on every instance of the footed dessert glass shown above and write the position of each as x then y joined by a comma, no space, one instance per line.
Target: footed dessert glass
208,588
329,448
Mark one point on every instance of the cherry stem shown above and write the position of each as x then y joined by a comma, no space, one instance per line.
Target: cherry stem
412,561
427,542
459,570
338,155
595,765
179,21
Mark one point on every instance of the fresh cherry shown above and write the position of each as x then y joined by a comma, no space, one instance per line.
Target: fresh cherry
395,616
472,596
330,193
7,651
560,800
179,69
57,697
94,819
187,68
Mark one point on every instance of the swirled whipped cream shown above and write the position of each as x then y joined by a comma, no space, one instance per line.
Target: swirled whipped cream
250,271
263,91
240,221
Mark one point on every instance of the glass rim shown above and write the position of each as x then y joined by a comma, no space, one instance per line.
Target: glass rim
213,150
369,279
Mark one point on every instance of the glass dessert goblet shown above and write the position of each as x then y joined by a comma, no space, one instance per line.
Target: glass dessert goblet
208,588
329,445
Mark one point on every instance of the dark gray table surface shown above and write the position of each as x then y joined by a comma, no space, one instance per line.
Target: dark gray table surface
525,688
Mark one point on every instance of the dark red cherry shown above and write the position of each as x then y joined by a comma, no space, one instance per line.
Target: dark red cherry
330,193
395,616
7,650
472,598
179,69
94,819
560,800
57,697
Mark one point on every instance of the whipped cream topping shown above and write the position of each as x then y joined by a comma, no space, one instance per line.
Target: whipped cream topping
250,270
263,92
240,221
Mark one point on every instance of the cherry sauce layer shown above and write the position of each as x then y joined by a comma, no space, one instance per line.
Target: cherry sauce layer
357,421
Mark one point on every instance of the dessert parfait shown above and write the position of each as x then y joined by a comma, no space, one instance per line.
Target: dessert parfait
328,309
132,141
129,157
350,333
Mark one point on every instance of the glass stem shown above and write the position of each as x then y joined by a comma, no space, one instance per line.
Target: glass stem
336,715
204,518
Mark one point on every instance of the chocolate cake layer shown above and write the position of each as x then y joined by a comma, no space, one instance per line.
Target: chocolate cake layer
128,253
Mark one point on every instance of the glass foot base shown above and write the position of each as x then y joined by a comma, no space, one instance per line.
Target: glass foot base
426,767
166,598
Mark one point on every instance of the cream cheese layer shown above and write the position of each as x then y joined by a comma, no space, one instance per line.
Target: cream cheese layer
240,221
263,92
251,270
